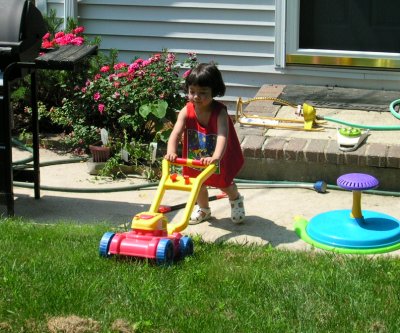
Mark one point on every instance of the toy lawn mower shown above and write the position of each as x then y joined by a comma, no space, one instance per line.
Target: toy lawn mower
151,236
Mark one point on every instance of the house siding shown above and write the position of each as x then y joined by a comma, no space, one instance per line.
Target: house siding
240,37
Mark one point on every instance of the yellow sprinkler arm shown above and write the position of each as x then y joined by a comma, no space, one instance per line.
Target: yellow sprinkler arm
310,116
306,124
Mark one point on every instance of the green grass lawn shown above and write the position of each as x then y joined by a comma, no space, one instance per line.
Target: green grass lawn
52,275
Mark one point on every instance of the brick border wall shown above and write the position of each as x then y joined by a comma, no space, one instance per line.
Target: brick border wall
296,159
318,151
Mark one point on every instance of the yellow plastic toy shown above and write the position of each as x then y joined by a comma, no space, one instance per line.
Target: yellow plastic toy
309,123
151,235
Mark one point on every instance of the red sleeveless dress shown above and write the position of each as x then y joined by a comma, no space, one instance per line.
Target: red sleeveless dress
199,141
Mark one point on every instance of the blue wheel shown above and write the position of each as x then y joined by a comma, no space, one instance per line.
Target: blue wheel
165,252
105,244
185,246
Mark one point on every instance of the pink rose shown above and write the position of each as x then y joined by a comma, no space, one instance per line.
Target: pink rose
78,30
104,69
96,96
101,108
47,45
133,67
187,73
59,34
120,65
77,41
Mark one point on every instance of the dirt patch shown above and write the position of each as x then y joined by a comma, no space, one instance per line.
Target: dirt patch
5,327
72,324
75,324
122,326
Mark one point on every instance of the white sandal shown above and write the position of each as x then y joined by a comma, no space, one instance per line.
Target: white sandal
199,215
237,210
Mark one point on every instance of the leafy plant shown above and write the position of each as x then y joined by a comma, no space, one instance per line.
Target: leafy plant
134,154
137,98
135,102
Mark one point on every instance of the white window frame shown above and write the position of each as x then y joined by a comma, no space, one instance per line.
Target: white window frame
288,17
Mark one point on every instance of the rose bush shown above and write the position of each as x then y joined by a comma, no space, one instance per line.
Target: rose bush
52,86
135,100
74,37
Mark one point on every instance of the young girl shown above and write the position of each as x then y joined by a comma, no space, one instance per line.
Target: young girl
209,136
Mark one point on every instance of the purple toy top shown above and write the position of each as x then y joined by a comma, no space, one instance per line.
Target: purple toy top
357,181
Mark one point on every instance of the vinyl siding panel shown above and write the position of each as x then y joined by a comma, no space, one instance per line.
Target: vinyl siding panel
238,35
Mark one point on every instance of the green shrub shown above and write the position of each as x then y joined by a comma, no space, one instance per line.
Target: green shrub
137,99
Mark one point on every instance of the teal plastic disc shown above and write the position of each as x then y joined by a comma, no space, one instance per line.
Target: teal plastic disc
338,229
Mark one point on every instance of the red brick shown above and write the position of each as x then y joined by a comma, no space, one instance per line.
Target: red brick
376,154
294,149
333,154
356,157
315,151
273,148
393,157
252,145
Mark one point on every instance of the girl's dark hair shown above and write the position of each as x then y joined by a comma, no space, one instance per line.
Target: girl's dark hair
206,75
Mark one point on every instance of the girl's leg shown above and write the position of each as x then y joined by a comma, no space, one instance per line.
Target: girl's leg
201,211
202,199
231,191
236,200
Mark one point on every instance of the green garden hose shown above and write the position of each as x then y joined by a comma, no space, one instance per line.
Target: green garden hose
392,108
241,183
292,184
136,187
370,127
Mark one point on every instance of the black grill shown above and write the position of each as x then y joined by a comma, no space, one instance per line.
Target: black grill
21,30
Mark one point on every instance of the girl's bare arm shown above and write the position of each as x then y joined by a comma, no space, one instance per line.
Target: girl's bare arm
175,136
222,138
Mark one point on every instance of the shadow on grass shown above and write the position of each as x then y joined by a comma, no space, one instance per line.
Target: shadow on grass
53,208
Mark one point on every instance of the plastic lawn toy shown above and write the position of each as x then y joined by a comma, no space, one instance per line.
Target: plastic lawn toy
349,139
311,121
352,231
167,209
151,236
308,123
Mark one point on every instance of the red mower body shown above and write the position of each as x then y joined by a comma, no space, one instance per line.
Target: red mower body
141,243
151,235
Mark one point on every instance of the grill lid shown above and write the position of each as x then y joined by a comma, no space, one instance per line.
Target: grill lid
21,30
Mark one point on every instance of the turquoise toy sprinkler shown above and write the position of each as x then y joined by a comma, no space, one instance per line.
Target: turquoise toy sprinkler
352,231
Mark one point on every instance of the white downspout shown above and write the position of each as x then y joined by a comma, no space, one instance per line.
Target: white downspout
280,33
70,10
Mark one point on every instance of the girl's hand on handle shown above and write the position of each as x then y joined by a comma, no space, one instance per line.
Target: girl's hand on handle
170,157
209,160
